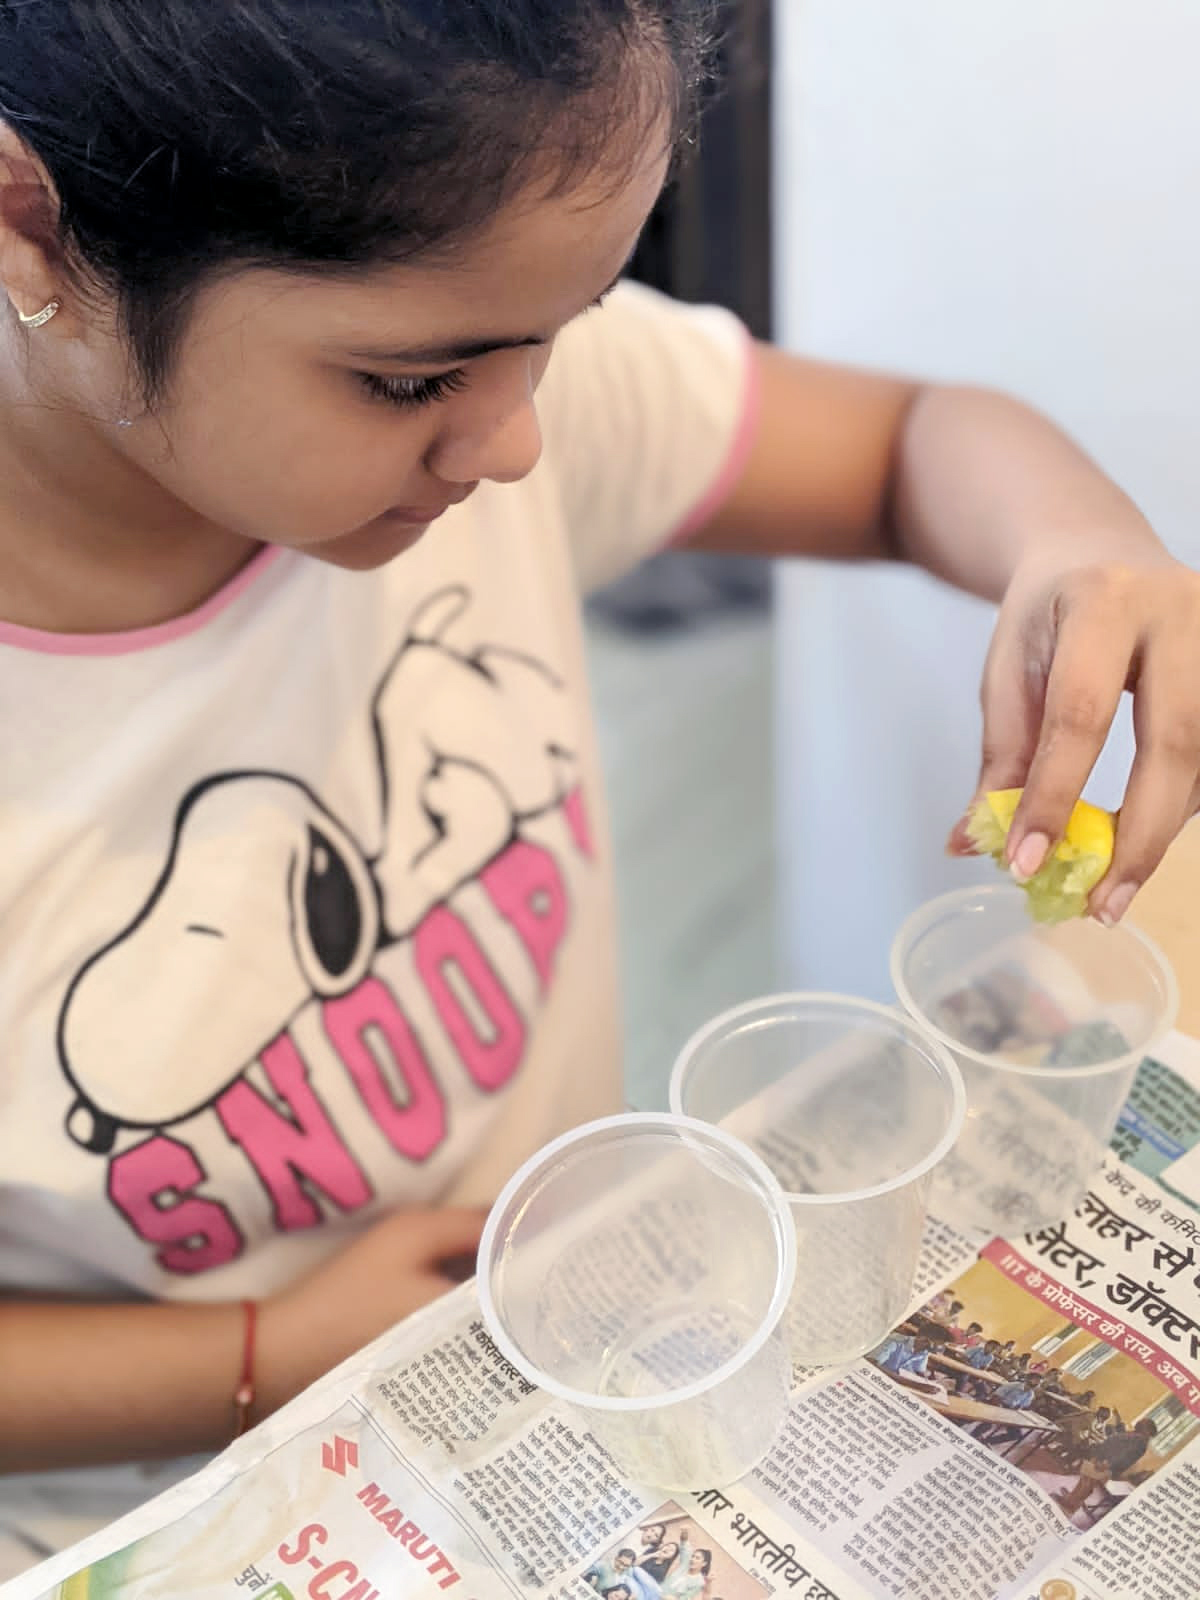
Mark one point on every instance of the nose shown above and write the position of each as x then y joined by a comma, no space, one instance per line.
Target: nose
502,443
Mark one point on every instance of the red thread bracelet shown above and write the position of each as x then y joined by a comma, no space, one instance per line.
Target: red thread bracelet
244,1395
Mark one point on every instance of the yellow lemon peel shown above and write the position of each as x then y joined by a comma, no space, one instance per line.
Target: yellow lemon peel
1060,888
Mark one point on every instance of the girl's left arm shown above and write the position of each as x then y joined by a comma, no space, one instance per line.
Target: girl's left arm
990,496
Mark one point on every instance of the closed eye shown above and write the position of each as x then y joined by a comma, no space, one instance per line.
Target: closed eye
407,392
413,392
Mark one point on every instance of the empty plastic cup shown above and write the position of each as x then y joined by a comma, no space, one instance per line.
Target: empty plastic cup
852,1107
1048,1025
639,1268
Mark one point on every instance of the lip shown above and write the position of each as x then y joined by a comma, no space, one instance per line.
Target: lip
418,516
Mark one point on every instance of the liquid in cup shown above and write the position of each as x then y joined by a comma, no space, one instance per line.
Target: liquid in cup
639,1268
852,1107
1048,1025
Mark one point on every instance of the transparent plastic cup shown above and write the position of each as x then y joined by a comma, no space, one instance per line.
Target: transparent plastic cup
1048,1025
639,1268
851,1106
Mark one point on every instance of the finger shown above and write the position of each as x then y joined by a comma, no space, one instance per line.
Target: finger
1011,698
1087,678
1162,790
1156,808
419,1291
459,1268
450,1234
422,1238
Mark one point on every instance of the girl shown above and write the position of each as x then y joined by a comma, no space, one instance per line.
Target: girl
690,1582
305,906
659,1561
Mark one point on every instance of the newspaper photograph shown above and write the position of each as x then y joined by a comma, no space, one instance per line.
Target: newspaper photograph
669,1560
1057,1407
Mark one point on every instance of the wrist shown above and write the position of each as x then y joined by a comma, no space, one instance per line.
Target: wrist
245,1395
272,1387
1126,543
292,1352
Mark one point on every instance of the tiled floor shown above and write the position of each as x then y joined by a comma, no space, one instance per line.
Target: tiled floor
685,727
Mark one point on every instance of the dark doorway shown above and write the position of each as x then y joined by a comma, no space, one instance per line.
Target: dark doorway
709,240
710,237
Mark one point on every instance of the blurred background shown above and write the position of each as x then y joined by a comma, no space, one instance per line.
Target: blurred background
1002,195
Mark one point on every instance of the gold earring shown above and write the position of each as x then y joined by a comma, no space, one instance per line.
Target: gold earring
39,319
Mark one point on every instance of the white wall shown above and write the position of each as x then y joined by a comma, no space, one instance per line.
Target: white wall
1007,193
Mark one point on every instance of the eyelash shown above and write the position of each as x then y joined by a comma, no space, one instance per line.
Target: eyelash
409,393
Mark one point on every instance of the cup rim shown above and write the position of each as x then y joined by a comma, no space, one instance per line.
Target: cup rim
933,1049
741,1154
918,921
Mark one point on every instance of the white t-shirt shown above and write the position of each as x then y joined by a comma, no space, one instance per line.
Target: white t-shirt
305,898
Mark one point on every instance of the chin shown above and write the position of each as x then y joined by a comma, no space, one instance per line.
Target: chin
368,547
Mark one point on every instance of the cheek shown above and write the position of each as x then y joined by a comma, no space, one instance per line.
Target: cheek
292,469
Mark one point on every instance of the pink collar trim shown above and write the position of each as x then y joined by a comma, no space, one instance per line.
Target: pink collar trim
122,644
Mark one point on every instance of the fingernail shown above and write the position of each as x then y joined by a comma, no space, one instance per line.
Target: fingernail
1117,904
1030,854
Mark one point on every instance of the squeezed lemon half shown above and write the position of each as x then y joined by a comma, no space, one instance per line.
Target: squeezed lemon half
1060,888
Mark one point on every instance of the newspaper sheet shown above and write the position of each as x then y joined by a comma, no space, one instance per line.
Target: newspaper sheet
1031,1431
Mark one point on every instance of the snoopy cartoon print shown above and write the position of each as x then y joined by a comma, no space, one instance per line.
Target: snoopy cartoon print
471,744
266,901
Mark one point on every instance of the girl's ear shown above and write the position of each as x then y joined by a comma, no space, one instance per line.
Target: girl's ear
31,264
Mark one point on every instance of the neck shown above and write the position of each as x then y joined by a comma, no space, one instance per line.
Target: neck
89,542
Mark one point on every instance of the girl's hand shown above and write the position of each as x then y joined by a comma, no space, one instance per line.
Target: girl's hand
397,1266
1070,638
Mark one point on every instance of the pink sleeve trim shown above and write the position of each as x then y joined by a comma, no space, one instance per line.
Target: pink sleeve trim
736,457
121,644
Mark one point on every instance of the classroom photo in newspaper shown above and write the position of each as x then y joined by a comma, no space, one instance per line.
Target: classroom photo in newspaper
1088,1423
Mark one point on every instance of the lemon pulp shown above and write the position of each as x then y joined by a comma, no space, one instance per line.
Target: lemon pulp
1061,886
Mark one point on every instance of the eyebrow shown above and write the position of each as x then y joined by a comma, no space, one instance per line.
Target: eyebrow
426,355
423,355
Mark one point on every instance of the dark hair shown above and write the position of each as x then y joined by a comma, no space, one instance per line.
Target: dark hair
956,1305
189,137
975,1326
618,1588
632,1554
707,1554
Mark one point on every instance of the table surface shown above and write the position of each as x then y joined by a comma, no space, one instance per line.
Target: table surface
1166,910
1068,1401
929,1387
979,1411
1072,1402
967,1370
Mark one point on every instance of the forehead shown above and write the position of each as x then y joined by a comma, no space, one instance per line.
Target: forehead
541,252
537,262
